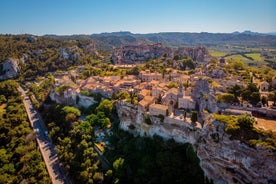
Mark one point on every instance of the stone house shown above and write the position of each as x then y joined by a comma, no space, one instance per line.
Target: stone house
170,98
186,103
264,86
143,93
158,109
143,105
156,91
148,76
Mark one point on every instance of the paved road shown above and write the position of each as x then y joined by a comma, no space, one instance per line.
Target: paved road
102,158
56,171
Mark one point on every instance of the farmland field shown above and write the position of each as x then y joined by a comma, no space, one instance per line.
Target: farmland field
217,53
236,57
255,56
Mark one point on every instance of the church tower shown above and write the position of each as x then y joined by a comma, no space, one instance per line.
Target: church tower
180,90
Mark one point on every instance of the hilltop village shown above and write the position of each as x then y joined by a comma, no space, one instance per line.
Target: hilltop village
179,93
179,104
175,91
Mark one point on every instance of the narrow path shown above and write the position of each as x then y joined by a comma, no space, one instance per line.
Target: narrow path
56,171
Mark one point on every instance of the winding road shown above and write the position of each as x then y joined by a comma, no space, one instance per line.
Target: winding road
56,171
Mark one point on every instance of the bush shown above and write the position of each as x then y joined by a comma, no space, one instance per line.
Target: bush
161,117
226,98
71,110
246,122
147,119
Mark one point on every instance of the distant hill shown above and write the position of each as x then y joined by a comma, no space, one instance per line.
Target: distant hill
106,41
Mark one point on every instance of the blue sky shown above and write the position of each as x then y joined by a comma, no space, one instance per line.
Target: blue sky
64,17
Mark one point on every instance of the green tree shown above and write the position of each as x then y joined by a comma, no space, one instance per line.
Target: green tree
134,71
246,122
185,115
71,110
272,97
226,98
176,57
118,166
172,85
237,65
194,116
236,90
2,99
105,106
264,101
254,98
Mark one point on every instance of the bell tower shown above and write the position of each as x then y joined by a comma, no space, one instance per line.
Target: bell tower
180,90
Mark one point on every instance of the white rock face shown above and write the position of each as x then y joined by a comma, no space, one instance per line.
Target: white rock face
230,161
131,54
218,73
67,97
9,69
85,101
222,160
71,96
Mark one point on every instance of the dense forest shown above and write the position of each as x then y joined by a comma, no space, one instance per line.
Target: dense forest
74,139
20,159
152,160
131,159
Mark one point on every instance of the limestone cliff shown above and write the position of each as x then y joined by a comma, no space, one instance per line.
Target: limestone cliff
230,161
133,54
223,160
9,69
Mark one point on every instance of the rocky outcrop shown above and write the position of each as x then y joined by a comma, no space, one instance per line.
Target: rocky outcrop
64,94
217,73
230,161
85,101
222,160
133,54
204,96
32,39
199,54
91,49
169,128
9,69
71,96
71,53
